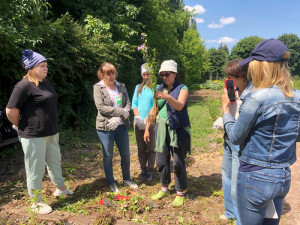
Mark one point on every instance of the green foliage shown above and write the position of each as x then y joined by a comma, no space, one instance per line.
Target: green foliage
72,57
18,20
149,56
218,59
77,36
194,57
209,84
292,41
296,84
244,47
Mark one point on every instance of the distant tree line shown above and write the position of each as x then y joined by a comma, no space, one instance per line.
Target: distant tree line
218,58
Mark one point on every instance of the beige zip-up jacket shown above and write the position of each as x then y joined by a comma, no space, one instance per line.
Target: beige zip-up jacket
105,107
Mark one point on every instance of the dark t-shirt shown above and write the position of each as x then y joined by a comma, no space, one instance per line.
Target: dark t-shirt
38,108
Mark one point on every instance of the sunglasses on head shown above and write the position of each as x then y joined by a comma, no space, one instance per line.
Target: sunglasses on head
165,74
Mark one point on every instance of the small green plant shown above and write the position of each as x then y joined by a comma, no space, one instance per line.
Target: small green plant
218,193
37,198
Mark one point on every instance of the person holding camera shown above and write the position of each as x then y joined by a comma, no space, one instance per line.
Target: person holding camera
230,162
267,130
112,122
173,132
32,109
142,102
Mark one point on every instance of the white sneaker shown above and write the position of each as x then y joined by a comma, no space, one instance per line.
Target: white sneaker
41,208
114,188
66,192
130,184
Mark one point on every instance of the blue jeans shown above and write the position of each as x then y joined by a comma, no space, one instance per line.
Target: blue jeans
230,166
107,139
256,188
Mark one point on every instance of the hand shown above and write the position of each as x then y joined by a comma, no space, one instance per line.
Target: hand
125,113
146,136
113,123
140,123
225,102
15,127
161,95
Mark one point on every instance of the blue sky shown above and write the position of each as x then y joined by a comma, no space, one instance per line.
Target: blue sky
229,21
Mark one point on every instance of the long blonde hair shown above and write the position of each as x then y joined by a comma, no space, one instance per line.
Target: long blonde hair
266,74
31,77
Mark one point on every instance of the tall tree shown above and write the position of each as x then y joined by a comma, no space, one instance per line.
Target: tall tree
292,41
194,57
244,47
217,59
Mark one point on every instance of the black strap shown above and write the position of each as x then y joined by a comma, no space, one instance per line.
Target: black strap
160,107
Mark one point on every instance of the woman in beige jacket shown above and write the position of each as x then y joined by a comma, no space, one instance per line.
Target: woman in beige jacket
113,105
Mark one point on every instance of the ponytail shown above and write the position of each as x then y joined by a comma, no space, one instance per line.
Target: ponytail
141,87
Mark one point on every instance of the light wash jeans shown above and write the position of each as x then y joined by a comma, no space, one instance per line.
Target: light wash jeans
39,152
255,189
107,139
230,166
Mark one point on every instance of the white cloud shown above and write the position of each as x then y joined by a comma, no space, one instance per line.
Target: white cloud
214,25
223,21
197,9
224,40
199,20
227,20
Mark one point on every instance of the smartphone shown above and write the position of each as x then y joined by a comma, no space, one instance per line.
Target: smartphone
229,85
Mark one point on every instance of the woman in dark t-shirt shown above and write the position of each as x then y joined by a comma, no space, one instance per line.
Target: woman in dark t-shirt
32,109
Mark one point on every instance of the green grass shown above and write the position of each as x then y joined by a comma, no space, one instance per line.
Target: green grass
296,84
202,116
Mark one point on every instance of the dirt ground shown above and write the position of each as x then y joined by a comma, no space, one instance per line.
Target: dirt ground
83,169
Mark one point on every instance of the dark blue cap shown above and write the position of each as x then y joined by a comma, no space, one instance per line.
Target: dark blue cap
270,50
30,59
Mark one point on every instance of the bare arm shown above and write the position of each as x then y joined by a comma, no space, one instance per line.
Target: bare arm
13,115
135,112
176,104
147,134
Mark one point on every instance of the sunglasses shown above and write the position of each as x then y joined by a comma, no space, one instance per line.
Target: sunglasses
167,74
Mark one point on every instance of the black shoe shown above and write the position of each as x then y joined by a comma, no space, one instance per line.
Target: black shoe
142,176
148,177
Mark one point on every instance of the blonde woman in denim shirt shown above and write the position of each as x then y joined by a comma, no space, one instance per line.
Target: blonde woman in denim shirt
267,130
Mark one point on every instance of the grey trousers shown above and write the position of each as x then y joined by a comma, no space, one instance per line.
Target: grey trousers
39,152
146,152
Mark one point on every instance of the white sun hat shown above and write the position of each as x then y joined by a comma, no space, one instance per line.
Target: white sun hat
168,65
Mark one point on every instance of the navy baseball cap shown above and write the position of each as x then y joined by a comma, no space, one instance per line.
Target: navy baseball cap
270,50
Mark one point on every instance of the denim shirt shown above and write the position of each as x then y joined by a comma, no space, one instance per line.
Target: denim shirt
267,128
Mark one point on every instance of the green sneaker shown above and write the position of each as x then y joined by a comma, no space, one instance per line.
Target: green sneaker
160,195
178,201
